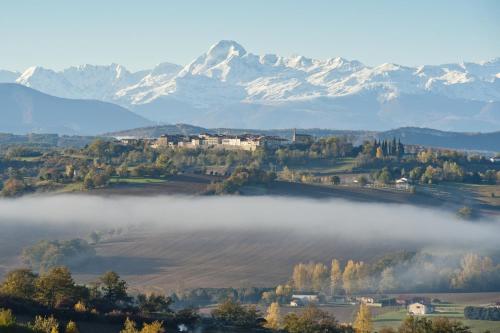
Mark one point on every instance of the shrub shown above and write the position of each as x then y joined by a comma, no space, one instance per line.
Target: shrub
71,327
154,327
45,324
7,319
482,313
80,307
233,313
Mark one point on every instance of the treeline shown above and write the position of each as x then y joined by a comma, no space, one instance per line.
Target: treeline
204,296
324,148
400,272
482,313
46,254
55,293
429,166
240,177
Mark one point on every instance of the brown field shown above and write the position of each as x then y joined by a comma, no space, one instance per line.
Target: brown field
449,196
188,184
166,260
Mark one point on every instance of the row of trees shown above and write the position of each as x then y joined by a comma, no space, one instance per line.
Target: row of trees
385,148
482,313
324,148
395,272
318,277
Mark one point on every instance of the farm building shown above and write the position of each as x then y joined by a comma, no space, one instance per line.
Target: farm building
403,183
376,301
305,298
420,309
405,300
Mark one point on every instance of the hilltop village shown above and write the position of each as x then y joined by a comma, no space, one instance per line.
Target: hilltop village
248,142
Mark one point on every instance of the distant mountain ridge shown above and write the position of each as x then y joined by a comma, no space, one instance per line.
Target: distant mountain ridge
486,142
228,86
25,110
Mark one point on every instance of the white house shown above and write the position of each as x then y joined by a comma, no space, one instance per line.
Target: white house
306,298
403,183
420,309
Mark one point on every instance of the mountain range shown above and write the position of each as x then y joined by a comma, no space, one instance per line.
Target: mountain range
230,87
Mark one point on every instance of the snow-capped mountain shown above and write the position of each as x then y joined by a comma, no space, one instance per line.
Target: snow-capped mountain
228,86
93,82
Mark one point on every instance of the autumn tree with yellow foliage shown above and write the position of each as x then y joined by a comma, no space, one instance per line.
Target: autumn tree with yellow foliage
273,316
335,276
363,322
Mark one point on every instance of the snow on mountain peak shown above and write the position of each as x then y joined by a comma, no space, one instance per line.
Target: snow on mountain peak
166,68
225,49
227,73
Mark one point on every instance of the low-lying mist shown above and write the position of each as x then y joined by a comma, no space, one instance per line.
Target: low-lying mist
348,220
159,242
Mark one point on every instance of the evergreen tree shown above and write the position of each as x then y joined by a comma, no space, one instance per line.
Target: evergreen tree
393,147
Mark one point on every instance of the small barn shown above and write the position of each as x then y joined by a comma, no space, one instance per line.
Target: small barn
306,298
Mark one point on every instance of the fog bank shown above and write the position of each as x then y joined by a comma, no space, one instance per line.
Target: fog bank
360,221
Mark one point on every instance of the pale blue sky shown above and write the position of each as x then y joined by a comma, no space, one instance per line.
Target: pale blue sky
139,34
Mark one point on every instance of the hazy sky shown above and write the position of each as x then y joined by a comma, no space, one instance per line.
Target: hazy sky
139,34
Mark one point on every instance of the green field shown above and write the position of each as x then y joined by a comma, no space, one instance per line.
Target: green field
326,167
137,180
393,317
28,158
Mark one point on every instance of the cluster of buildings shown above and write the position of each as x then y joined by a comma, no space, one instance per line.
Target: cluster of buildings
249,142
417,306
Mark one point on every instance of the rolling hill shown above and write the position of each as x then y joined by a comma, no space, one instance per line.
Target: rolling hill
24,110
